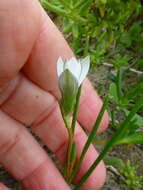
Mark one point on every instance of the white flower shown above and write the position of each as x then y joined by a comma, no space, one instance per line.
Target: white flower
78,69
71,74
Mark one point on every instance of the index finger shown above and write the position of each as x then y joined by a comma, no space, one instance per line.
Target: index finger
19,28
41,66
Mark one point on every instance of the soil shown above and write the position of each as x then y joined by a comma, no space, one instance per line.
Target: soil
132,153
114,181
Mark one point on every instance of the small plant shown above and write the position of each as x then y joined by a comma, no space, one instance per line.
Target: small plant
128,172
123,99
131,178
106,29
71,75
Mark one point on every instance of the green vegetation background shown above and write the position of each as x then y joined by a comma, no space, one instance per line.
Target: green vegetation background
108,30
111,32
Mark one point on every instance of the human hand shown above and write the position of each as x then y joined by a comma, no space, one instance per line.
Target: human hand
29,47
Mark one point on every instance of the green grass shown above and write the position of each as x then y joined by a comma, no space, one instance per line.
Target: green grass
109,30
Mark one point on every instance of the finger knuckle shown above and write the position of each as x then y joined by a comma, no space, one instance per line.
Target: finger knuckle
8,144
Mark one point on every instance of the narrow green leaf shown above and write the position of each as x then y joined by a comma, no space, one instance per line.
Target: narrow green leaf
80,19
119,83
113,118
73,155
113,161
138,118
81,2
136,138
54,8
75,30
91,137
113,92
67,28
84,8
104,1
86,48
125,125
65,3
135,91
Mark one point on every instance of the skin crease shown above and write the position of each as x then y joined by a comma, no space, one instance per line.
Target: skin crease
30,46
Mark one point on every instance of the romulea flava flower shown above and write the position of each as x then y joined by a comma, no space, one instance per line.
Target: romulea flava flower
71,74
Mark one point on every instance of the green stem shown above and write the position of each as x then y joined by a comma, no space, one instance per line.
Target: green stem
113,118
119,83
86,46
71,136
69,155
90,138
67,162
73,157
76,110
111,142
71,130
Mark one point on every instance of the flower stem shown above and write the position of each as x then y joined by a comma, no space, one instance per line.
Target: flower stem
71,139
70,164
67,162
76,110
119,83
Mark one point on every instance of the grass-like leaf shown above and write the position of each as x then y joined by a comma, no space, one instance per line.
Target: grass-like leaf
91,137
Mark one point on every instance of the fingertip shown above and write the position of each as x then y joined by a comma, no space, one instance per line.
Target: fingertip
19,29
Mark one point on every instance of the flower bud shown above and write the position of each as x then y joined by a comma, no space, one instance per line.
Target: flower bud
69,86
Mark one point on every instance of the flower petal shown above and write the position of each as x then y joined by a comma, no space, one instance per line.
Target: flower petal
74,67
60,66
85,64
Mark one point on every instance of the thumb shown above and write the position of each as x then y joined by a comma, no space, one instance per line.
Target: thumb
19,28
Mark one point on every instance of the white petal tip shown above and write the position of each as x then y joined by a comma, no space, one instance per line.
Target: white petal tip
85,64
60,66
